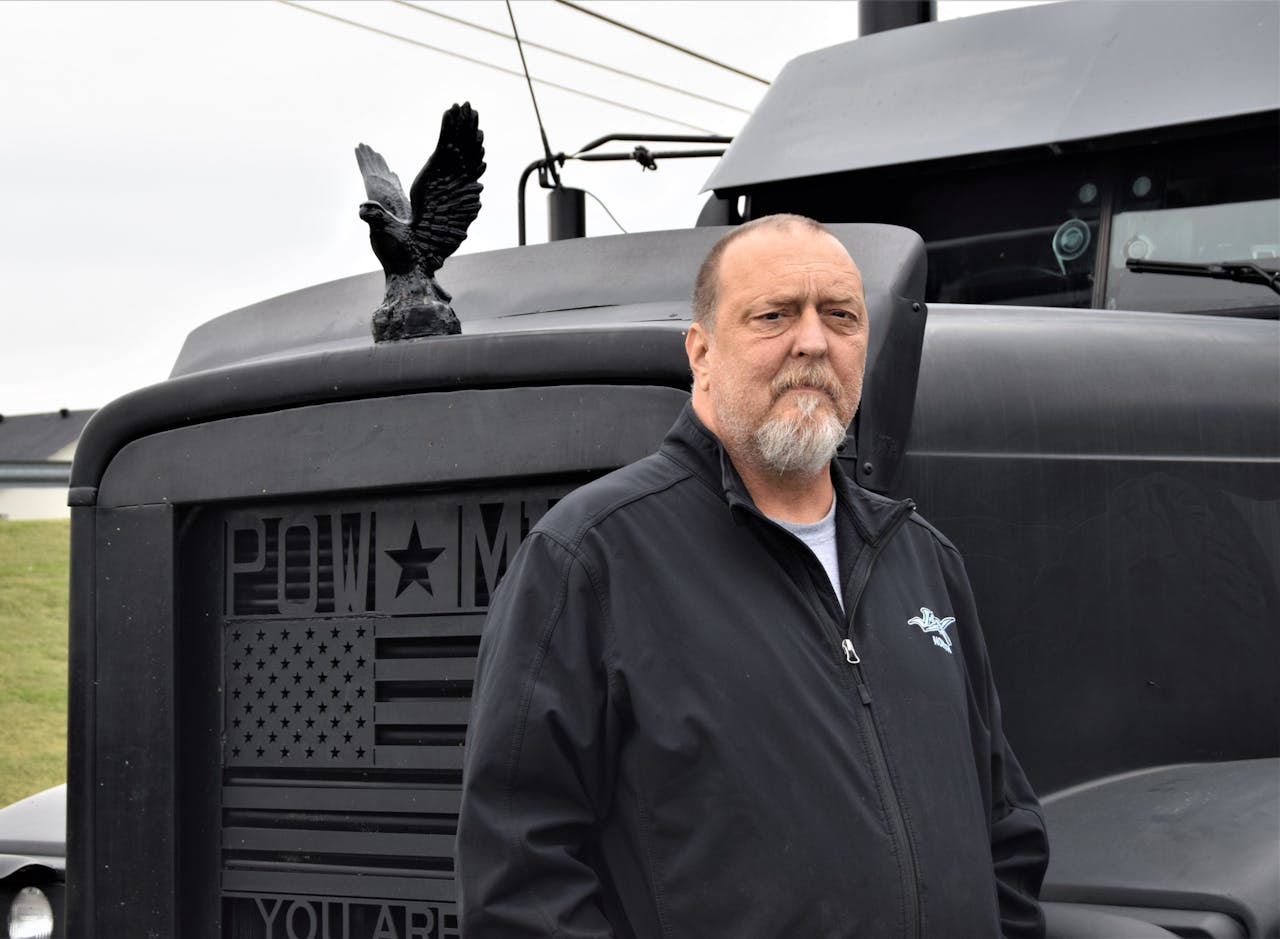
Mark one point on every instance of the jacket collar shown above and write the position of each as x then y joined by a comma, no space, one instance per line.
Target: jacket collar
693,446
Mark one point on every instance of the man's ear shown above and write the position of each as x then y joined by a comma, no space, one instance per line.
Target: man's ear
697,345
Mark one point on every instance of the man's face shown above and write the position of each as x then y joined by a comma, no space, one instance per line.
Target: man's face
779,376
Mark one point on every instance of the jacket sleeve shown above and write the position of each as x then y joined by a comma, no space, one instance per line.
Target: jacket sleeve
1019,842
1019,848
538,768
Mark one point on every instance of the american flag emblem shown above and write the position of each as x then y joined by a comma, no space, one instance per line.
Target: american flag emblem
299,693
391,693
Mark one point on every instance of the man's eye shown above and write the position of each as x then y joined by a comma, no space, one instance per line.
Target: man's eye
771,316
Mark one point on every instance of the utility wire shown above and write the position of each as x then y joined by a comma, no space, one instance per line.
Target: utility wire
574,58
546,147
659,39
490,65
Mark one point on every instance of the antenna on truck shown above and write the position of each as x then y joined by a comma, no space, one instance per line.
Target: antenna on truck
566,207
546,147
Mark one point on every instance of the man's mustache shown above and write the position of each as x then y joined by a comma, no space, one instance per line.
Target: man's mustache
811,376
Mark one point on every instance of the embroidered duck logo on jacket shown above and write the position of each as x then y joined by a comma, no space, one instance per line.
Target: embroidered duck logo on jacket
937,628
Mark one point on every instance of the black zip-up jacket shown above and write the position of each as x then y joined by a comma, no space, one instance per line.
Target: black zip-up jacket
677,732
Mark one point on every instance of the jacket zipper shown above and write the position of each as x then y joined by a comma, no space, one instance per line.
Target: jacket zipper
909,870
909,866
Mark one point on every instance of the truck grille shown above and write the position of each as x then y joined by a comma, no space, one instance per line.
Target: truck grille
349,641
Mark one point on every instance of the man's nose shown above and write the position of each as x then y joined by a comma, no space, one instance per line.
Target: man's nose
810,335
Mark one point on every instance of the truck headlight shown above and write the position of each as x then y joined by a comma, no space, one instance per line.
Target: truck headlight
30,915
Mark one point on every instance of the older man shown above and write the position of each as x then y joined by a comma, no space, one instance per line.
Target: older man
724,692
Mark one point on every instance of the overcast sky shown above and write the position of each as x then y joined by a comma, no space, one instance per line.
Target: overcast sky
162,163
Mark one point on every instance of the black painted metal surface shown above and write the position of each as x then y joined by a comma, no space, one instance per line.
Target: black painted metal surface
1158,823
1112,483
1035,77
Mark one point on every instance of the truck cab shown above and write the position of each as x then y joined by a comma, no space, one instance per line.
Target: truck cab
1038,152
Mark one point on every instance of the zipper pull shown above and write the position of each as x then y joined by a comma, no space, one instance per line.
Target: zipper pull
851,656
850,653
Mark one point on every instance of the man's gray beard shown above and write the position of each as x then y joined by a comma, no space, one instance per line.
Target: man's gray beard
803,444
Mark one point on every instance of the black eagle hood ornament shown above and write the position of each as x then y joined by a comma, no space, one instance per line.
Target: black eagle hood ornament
413,237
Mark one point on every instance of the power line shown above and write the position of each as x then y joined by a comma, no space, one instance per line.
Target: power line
574,58
659,39
490,65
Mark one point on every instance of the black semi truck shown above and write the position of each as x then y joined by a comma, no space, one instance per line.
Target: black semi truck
1068,219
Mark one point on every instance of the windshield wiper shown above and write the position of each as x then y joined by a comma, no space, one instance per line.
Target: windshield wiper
1243,272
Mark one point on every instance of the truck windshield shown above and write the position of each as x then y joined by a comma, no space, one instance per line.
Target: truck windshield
1059,233
1234,231
1196,202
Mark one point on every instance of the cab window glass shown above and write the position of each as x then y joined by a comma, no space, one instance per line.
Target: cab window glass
1179,205
1007,233
1034,245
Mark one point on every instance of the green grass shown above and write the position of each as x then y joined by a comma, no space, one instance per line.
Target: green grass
33,656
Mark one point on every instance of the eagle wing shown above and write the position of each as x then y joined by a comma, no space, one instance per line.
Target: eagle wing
446,194
380,184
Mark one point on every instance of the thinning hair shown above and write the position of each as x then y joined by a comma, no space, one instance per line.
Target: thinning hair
706,288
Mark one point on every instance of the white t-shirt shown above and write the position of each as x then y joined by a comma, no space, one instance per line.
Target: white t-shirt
820,536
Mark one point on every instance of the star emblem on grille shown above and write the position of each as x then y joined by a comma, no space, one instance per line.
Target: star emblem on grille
415,563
